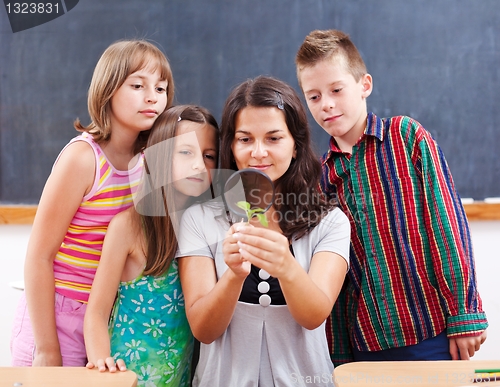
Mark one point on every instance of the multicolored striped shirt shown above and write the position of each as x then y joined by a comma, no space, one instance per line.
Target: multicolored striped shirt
77,259
412,271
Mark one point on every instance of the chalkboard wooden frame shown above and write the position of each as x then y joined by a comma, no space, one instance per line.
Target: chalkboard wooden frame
26,214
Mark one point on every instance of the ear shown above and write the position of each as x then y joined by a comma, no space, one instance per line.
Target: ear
366,85
294,154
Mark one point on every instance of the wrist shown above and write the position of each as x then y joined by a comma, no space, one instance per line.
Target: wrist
291,272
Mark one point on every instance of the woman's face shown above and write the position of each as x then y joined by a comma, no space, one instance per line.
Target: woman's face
263,141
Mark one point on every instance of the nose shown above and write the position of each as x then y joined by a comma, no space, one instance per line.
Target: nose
199,164
259,151
151,95
328,103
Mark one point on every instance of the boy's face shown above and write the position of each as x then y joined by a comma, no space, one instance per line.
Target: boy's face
336,101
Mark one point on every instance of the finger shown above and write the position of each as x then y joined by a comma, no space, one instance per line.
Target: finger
90,365
121,365
256,260
464,353
484,335
253,253
454,350
110,363
258,232
101,365
256,241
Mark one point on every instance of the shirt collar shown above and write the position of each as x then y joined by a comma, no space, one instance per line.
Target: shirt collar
374,128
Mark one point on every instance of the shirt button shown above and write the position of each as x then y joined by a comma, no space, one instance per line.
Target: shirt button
265,300
263,287
264,274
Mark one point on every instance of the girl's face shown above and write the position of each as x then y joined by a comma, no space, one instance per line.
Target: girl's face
138,101
263,141
195,155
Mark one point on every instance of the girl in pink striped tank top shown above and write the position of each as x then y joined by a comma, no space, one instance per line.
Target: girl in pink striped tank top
92,180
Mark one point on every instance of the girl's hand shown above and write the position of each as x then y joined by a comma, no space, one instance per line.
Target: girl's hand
232,257
108,363
264,248
47,359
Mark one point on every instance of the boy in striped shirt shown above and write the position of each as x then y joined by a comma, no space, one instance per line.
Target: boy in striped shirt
411,292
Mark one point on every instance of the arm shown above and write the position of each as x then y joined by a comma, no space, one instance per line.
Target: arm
210,303
309,296
116,249
70,180
451,251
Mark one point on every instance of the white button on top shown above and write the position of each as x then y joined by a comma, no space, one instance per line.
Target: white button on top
264,274
263,287
265,300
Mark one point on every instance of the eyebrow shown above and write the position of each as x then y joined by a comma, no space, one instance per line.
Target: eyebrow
268,132
184,145
134,75
329,85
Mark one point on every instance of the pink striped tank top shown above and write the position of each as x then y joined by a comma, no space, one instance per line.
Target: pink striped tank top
77,259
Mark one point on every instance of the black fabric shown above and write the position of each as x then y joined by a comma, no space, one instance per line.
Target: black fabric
250,294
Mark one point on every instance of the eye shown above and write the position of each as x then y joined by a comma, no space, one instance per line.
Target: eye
137,86
161,90
274,139
184,152
210,157
313,97
337,90
244,140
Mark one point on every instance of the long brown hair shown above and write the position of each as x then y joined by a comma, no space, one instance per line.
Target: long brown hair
302,177
154,209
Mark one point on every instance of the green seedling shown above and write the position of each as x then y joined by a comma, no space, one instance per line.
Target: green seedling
257,212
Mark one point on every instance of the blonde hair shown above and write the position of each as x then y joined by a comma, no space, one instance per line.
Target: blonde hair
118,61
320,45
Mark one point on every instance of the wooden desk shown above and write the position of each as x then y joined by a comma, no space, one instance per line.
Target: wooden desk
412,373
64,377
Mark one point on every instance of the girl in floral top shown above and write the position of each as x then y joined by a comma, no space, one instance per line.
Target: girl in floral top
148,329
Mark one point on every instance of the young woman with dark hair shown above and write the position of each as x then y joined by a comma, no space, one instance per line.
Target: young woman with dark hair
257,297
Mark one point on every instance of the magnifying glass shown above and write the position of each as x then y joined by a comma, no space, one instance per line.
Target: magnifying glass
248,189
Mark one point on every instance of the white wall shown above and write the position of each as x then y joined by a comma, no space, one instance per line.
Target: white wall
485,235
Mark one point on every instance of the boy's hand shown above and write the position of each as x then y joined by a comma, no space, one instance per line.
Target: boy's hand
108,363
463,348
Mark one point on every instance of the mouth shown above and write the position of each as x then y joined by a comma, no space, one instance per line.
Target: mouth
149,112
332,118
260,167
195,179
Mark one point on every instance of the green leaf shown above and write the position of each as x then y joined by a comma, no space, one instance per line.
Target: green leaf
262,219
258,212
244,205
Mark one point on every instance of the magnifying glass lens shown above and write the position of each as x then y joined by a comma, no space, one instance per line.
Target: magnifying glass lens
251,186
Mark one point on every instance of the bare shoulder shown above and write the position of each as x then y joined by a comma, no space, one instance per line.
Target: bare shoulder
79,152
77,165
125,222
